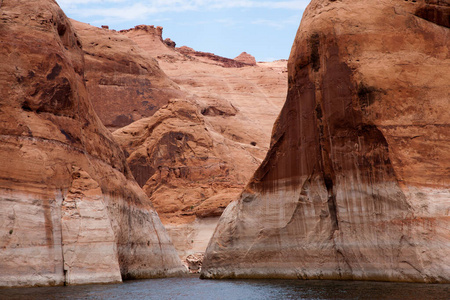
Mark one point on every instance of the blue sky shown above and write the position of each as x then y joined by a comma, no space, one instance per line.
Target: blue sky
265,29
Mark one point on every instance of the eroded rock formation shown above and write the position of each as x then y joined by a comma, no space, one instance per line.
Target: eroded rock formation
70,209
356,182
194,156
220,60
170,43
170,153
246,58
194,263
210,138
124,82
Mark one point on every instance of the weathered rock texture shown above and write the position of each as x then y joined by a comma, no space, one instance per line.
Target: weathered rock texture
356,182
195,155
212,58
124,82
70,210
194,263
210,139
170,153
170,43
246,58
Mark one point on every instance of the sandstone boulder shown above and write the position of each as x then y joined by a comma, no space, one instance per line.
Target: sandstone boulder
169,43
356,182
194,263
70,209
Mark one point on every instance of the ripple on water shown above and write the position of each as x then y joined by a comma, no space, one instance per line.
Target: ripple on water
194,288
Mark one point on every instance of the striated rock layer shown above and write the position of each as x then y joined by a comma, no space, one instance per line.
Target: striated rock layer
124,82
356,182
215,59
70,209
195,154
246,58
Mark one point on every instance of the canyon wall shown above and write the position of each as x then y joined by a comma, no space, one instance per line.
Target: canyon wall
124,82
208,132
70,209
356,182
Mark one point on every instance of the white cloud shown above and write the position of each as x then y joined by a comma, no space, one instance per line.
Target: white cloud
279,24
119,12
112,8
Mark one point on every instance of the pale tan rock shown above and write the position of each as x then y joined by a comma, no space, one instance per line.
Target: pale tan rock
355,184
191,238
87,237
194,263
149,38
49,133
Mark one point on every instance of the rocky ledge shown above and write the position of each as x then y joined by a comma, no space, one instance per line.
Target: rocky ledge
220,60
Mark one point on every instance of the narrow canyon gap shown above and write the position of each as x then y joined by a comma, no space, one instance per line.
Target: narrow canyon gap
194,126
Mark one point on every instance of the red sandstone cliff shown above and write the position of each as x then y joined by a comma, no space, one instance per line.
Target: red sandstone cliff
212,134
194,155
216,59
124,82
70,209
356,182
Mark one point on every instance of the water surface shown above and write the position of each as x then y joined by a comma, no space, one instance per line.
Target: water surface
194,288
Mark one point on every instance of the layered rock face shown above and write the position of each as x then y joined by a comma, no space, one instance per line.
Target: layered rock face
170,153
195,155
356,182
210,139
246,58
124,82
216,59
70,209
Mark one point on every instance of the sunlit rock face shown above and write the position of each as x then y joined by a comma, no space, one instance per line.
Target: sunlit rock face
356,182
246,58
195,154
70,209
125,83
194,126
